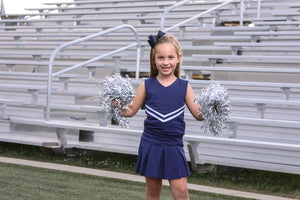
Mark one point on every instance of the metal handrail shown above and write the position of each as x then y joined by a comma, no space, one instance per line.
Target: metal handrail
3,13
198,15
167,10
67,44
242,8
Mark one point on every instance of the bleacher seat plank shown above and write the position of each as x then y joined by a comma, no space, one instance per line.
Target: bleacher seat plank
267,33
277,23
240,69
28,140
5,126
246,83
249,58
159,7
275,102
252,44
5,102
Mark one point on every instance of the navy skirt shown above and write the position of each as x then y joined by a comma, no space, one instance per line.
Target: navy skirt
162,156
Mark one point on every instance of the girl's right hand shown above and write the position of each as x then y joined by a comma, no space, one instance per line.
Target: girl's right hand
117,103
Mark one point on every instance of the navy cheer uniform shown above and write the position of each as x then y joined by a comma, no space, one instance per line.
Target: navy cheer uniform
161,153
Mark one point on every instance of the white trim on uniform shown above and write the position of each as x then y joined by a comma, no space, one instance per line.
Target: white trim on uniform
161,116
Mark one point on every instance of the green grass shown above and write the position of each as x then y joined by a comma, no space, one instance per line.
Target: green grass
279,184
22,182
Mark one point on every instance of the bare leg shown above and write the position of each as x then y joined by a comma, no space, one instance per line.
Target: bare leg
179,188
153,188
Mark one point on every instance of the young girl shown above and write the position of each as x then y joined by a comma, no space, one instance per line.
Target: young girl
161,154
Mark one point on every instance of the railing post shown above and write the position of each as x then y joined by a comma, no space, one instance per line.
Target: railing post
3,13
242,5
138,57
49,86
258,8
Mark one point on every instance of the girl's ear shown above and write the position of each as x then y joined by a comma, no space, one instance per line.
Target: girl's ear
179,58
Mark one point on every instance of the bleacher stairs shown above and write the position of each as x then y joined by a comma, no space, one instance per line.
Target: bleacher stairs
254,55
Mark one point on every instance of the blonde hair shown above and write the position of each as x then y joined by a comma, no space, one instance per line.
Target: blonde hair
165,39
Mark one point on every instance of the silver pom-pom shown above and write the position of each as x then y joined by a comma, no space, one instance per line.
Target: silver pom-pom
215,108
115,93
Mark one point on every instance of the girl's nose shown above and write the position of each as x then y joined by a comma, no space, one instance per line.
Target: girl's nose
165,62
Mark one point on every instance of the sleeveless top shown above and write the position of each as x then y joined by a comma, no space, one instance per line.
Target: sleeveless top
161,154
165,108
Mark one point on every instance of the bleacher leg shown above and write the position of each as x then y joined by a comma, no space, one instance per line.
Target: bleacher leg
117,60
286,91
261,107
61,135
103,117
65,81
34,95
182,31
11,67
92,72
2,110
192,148
233,126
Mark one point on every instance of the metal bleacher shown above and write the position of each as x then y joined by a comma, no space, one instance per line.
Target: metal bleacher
255,55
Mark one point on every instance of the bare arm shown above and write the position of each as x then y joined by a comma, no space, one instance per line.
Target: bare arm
193,107
136,103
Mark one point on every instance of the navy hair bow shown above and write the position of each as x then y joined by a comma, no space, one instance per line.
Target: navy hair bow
153,38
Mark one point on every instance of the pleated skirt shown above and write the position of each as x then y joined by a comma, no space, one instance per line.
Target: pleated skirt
162,157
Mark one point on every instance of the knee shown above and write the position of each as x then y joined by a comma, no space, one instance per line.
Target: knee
153,190
182,190
179,189
153,193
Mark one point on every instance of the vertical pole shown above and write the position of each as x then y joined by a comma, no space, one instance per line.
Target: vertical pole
2,13
233,126
138,57
258,8
242,12
286,92
2,110
261,107
192,148
61,135
49,85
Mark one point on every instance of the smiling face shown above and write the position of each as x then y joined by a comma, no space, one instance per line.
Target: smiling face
166,59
